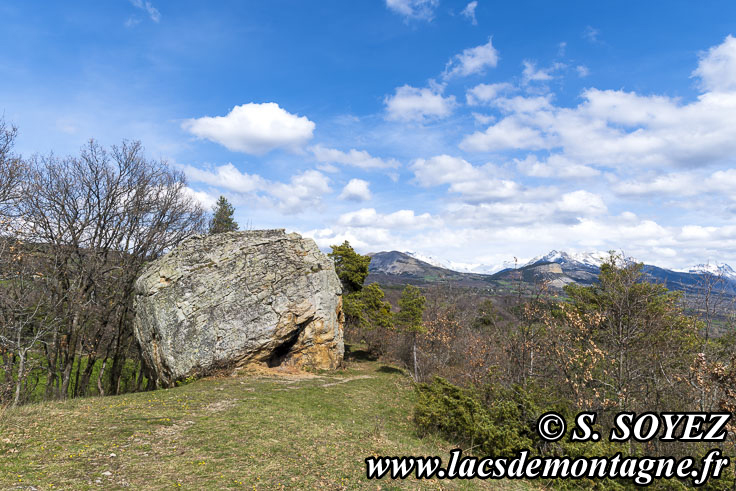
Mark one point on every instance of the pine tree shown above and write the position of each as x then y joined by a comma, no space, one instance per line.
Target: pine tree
351,267
409,317
222,220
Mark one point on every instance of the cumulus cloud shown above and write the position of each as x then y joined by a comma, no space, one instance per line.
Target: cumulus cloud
403,219
356,190
490,233
486,93
227,177
414,104
355,158
414,9
472,183
204,198
621,129
254,128
303,191
717,67
472,61
469,12
533,74
680,184
509,133
554,166
582,203
569,208
443,169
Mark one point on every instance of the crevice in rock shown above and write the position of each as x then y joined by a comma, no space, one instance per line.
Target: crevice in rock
282,351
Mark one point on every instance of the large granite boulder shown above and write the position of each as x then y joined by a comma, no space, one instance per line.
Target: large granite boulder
236,298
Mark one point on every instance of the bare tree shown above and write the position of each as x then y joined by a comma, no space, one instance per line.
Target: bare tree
11,168
25,317
98,218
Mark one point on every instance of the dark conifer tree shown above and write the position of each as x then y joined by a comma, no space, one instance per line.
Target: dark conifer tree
222,220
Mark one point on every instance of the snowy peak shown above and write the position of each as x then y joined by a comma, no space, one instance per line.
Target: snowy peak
716,269
460,267
429,259
584,263
593,259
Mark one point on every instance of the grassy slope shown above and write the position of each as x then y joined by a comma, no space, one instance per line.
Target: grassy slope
252,431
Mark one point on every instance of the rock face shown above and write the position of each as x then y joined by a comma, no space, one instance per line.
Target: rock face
231,299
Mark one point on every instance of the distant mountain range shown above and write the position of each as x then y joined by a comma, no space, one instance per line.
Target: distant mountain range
557,269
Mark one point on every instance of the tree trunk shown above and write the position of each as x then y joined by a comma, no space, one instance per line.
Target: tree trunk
21,376
75,392
99,377
139,379
414,350
52,356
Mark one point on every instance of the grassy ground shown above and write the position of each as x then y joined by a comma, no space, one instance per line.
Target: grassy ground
254,431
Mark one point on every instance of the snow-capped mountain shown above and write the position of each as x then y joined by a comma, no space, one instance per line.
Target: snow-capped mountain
594,258
440,263
582,268
717,269
477,268
586,259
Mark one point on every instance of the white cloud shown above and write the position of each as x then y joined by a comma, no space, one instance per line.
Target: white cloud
356,190
414,9
555,166
717,67
492,233
582,203
152,11
469,12
204,198
402,219
443,169
474,184
723,181
254,128
483,119
520,104
509,133
582,71
533,74
625,130
486,93
227,177
413,104
303,191
355,158
472,61
681,184
570,208
486,189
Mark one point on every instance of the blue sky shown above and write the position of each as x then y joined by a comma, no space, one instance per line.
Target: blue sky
469,131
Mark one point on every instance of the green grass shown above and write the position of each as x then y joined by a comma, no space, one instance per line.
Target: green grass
37,377
252,431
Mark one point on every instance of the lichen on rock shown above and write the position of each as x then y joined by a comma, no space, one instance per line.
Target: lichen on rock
238,298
